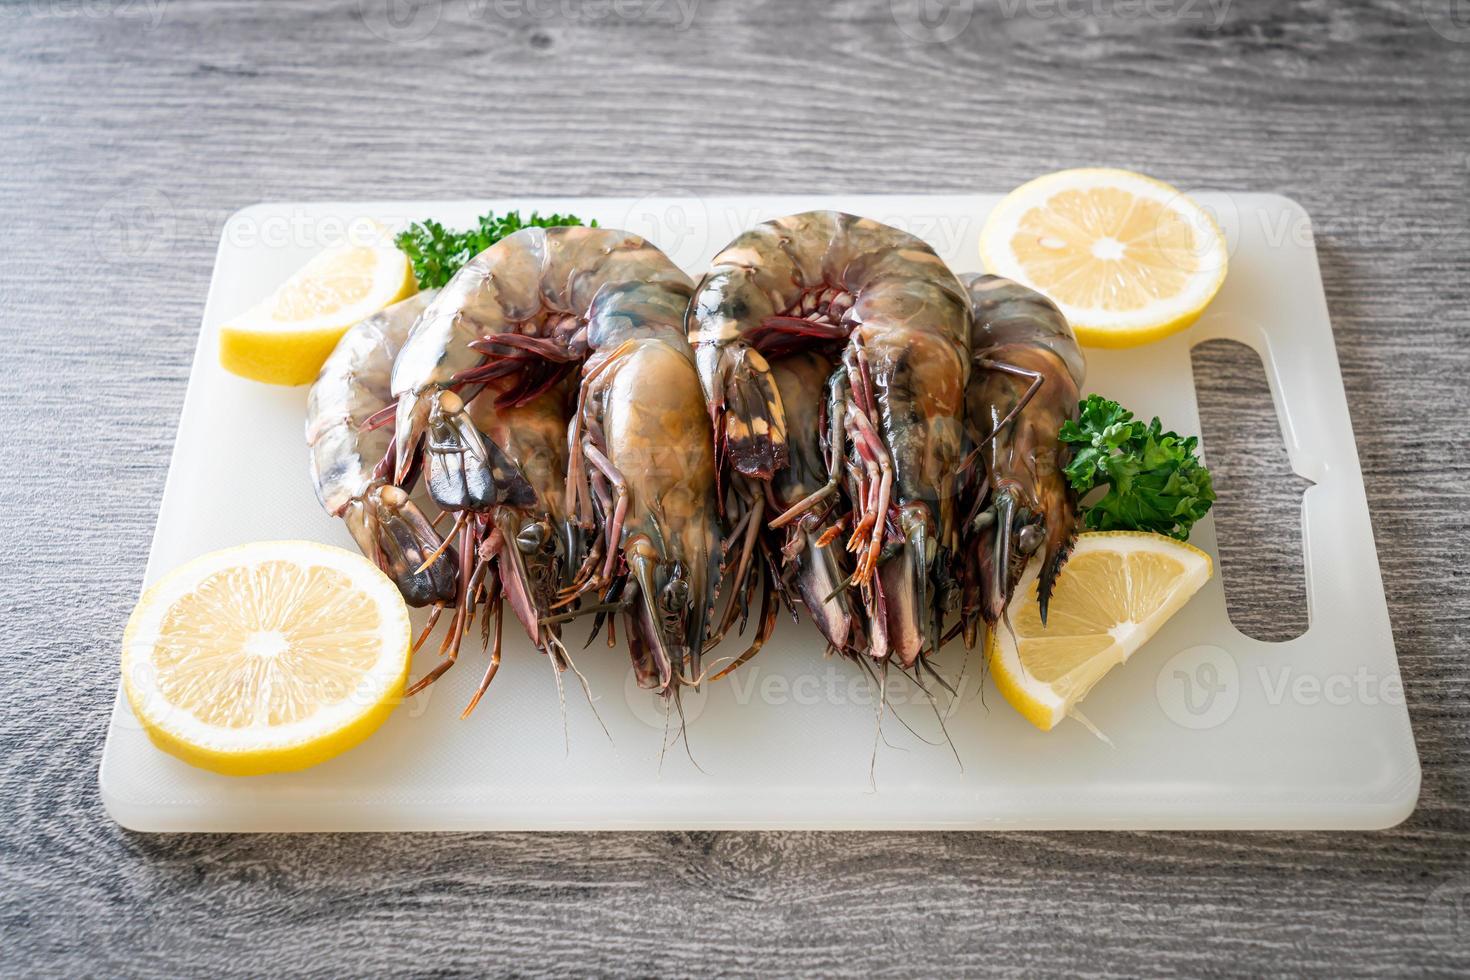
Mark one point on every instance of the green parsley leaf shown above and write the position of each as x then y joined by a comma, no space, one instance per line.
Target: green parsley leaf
1154,479
437,253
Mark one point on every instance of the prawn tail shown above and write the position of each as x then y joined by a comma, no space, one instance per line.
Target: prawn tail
1057,553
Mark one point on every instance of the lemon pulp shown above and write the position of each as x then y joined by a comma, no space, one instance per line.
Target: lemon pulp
267,657
1127,258
285,338
1114,593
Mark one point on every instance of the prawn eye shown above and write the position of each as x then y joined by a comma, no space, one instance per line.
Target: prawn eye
675,595
531,537
1029,539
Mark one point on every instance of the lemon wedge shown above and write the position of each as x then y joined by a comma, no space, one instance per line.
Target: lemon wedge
285,338
1129,259
1114,593
266,657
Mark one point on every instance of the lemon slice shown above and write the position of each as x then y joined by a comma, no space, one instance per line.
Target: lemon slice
266,657
1129,259
1114,593
285,338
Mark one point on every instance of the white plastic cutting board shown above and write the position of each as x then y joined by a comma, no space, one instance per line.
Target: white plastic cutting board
1205,727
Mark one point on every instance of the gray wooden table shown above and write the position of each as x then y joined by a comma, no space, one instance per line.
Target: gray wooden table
130,128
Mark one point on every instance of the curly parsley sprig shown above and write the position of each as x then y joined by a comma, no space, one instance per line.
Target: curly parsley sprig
1154,479
437,253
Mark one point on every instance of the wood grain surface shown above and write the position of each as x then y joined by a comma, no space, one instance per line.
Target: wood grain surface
129,129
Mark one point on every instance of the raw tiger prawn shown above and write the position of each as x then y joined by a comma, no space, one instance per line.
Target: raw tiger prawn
897,322
639,524
501,516
1029,370
347,457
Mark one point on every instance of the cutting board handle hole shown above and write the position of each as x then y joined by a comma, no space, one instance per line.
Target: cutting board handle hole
1258,503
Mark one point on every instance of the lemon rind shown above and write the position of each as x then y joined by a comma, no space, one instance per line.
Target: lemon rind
1107,328
1038,703
256,346
259,749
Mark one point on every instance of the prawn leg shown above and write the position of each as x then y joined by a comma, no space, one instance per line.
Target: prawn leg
767,619
614,530
494,666
1035,377
449,646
